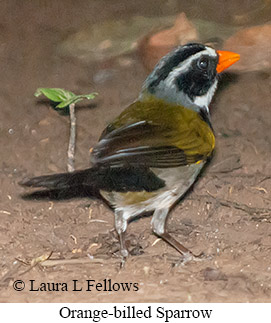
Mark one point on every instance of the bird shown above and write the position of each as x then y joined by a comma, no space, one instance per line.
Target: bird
152,153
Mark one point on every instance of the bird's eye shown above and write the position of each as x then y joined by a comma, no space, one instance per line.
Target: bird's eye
203,63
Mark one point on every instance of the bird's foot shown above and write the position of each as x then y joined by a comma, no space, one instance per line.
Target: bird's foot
186,257
189,256
123,255
202,256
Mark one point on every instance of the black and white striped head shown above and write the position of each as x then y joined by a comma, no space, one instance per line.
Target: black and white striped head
188,75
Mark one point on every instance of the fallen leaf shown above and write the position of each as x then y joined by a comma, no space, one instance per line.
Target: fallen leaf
253,45
155,45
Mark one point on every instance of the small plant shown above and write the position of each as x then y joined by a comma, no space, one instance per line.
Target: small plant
66,99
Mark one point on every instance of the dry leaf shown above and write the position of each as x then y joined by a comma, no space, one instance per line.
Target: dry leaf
155,46
253,45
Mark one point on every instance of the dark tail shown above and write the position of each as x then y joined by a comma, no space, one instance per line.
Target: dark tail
79,178
122,179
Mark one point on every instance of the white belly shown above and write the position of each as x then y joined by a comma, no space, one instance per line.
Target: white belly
178,180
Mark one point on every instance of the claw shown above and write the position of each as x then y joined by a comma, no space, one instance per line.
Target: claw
189,256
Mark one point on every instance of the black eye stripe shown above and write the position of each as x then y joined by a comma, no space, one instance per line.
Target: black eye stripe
196,81
180,55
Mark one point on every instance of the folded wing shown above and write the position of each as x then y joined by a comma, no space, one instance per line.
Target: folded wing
151,134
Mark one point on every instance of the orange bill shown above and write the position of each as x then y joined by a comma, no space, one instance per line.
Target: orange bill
226,59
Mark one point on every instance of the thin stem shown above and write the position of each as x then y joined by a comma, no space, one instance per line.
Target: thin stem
71,148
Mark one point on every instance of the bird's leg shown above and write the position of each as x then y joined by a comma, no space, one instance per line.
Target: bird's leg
121,226
159,227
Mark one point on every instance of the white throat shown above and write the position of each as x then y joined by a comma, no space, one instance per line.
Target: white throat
205,100
173,95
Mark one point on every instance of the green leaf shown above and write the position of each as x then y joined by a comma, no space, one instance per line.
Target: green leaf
55,94
76,99
64,97
90,96
65,103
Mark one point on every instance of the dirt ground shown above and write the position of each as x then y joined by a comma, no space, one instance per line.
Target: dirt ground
226,215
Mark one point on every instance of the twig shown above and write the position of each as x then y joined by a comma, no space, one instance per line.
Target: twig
44,261
36,261
239,206
78,261
71,148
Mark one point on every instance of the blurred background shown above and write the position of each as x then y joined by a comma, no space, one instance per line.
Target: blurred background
110,46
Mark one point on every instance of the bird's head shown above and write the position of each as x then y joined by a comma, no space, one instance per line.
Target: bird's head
188,75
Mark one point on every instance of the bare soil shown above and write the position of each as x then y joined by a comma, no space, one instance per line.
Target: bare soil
226,215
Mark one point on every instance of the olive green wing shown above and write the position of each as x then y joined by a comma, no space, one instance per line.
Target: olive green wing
145,135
